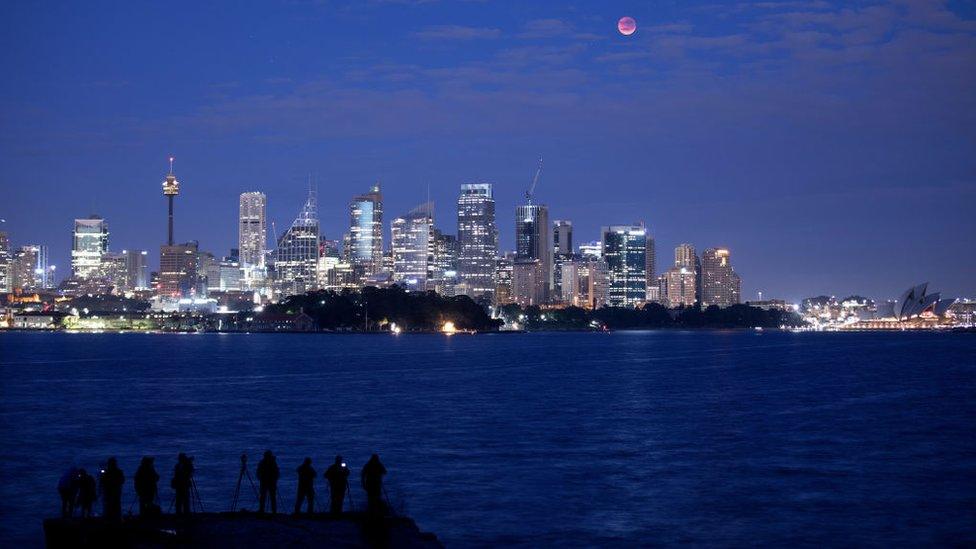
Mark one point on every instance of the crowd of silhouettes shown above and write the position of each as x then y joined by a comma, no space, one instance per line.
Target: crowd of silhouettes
78,489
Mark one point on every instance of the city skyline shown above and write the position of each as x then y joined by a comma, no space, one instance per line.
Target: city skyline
789,134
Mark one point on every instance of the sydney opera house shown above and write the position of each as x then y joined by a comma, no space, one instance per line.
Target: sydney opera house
916,301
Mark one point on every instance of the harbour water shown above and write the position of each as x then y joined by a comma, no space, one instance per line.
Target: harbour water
576,439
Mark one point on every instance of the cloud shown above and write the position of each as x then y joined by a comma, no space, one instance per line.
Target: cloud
457,32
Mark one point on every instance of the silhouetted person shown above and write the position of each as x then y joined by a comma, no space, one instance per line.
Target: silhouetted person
68,490
372,481
111,481
182,483
146,480
86,492
268,474
306,486
338,476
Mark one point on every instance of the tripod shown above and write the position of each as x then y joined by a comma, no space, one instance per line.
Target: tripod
352,506
240,477
195,496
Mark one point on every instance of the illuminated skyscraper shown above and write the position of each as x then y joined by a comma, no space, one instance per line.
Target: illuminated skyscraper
253,238
562,252
5,282
477,239
137,269
297,255
366,232
532,244
414,248
29,270
719,282
625,254
681,281
89,242
178,270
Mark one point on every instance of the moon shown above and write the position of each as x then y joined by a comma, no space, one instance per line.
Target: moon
627,25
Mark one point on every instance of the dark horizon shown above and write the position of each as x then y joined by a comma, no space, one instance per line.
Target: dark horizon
828,146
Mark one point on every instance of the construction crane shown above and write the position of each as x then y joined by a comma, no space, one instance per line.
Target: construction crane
529,193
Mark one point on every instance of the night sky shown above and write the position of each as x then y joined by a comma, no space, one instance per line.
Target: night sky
830,146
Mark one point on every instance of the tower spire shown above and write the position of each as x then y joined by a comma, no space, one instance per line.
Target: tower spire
171,159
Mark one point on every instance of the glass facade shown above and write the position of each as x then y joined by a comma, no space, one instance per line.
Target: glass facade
624,251
297,256
89,242
366,232
477,239
414,248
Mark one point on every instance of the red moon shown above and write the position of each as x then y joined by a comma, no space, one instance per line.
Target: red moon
627,26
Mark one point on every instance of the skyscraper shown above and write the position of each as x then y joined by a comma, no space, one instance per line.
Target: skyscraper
562,252
366,232
5,282
532,244
253,238
297,255
443,273
477,239
562,237
414,246
137,269
719,282
651,270
89,242
625,254
681,281
178,275
29,269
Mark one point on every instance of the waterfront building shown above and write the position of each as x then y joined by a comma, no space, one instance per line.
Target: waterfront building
624,251
719,282
253,238
477,239
532,243
296,256
178,276
89,242
414,248
503,280
366,232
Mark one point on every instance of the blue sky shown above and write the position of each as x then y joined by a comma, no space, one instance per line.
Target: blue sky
830,146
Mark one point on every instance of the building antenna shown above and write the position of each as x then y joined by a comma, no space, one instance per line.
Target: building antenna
171,159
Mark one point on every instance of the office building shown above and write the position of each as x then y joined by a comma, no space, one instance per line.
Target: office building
366,232
5,278
443,277
532,244
529,282
89,242
137,269
178,270
681,281
296,257
477,239
414,246
625,253
253,238
562,252
591,249
651,269
503,280
719,282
